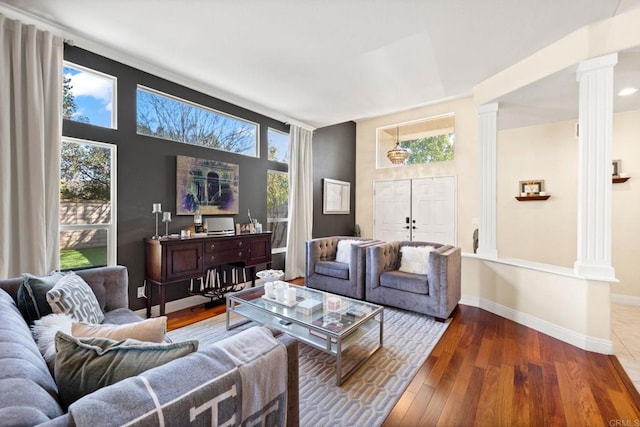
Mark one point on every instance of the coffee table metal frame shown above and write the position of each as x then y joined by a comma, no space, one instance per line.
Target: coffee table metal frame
251,305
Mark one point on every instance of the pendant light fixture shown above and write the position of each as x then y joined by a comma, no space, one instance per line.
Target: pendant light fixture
398,155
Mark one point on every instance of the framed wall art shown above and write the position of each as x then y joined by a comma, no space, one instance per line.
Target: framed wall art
206,187
337,196
531,187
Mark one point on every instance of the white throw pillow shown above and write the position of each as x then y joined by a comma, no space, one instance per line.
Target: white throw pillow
343,253
71,295
44,332
415,259
149,330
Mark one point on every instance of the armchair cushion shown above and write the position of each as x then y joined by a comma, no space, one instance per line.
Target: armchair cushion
407,282
335,269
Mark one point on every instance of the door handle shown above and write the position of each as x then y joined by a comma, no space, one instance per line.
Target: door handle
406,220
407,227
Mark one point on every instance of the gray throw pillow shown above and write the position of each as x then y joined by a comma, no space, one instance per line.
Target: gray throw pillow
71,295
84,365
32,295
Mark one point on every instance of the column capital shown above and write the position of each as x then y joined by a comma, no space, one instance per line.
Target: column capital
594,64
488,108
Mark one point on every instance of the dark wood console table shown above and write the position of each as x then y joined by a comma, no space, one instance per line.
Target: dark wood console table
172,260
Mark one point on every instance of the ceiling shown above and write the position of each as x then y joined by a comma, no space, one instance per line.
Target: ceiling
317,62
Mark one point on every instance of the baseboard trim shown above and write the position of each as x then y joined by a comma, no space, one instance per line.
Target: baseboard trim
176,305
582,341
625,299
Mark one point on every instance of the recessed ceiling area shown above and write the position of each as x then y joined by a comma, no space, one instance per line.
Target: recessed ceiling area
318,62
555,98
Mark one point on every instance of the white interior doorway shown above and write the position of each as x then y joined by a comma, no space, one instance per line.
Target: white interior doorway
422,209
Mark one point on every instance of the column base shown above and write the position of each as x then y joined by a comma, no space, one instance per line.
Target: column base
604,273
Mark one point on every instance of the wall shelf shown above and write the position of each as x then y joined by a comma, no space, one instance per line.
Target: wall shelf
531,198
619,180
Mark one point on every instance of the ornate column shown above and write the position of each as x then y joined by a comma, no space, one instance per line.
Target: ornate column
595,77
488,115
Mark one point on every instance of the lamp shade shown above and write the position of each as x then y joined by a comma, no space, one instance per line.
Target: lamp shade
398,155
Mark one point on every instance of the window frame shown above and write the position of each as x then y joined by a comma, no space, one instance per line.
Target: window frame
274,220
288,135
114,93
383,146
111,226
203,107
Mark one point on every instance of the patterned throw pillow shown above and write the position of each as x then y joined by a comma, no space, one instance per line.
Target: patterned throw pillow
84,365
71,295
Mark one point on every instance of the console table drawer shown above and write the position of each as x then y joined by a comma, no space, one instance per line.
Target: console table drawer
223,245
225,257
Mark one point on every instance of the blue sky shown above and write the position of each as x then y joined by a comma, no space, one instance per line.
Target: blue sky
93,94
281,142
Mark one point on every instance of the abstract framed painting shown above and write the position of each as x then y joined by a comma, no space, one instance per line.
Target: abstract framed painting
206,187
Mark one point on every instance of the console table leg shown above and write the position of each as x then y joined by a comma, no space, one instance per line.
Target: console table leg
149,290
163,295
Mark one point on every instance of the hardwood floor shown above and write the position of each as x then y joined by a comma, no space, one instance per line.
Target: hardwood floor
490,371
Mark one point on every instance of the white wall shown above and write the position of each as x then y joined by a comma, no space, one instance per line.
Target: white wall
554,302
625,199
542,231
464,166
545,231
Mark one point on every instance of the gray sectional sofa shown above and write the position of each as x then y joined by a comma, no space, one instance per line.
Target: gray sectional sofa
28,392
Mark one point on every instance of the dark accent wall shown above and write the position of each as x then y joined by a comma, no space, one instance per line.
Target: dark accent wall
146,167
334,157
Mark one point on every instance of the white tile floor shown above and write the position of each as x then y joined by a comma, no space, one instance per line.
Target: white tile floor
625,326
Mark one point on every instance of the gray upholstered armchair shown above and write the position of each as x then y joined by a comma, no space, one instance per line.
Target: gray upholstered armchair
326,273
436,293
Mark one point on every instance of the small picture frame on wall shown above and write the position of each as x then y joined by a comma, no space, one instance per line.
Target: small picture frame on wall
617,168
531,187
337,195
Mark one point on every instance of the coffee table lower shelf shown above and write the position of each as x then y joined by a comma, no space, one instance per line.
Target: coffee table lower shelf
335,344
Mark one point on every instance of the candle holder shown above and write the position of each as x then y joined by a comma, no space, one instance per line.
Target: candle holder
166,218
157,208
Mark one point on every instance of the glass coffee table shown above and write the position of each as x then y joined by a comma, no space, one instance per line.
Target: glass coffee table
349,329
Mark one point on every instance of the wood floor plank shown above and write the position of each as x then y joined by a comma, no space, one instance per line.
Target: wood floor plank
489,371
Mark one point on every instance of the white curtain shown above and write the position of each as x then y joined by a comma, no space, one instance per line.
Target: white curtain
300,200
30,137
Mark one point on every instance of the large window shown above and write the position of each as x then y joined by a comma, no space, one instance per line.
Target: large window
88,96
427,140
278,145
277,209
164,116
87,204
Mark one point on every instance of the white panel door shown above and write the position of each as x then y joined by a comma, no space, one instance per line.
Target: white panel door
433,203
392,210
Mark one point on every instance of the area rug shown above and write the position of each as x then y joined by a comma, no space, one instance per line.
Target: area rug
368,396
